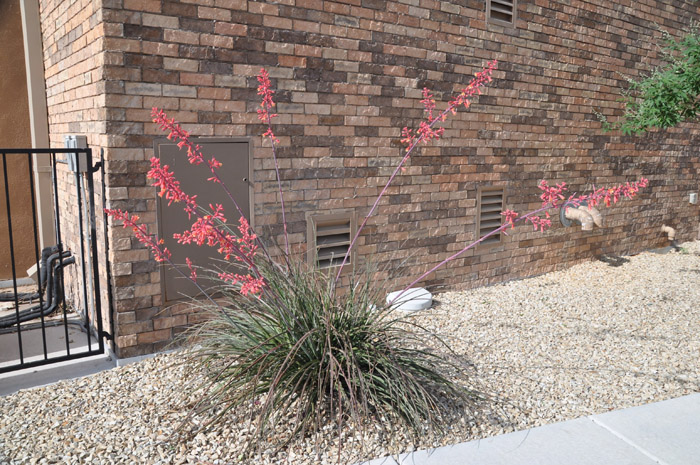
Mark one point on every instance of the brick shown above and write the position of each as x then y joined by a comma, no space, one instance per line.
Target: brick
195,79
147,290
263,8
214,93
143,88
163,323
218,14
307,50
127,341
316,109
124,101
306,26
142,5
215,67
231,29
135,328
278,47
162,21
277,22
218,41
153,48
154,336
121,269
231,4
197,104
292,61
181,37
132,255
180,64
179,91
123,45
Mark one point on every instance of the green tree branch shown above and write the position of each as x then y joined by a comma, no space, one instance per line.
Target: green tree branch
667,97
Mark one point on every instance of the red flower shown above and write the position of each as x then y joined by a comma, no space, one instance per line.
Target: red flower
551,195
247,240
474,87
265,111
169,187
539,222
613,194
510,217
427,131
193,271
428,102
160,253
194,151
249,284
408,138
175,132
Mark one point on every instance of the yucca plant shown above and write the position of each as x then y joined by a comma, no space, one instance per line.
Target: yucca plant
310,357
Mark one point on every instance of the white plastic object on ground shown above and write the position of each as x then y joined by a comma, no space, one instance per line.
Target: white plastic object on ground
412,300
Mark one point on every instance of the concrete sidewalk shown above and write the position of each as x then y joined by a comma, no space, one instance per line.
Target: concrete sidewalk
663,433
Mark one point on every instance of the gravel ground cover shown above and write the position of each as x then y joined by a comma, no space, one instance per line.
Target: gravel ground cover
596,337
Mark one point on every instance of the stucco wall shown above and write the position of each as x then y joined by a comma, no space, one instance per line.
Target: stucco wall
14,133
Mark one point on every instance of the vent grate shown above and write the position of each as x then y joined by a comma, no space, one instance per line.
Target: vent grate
329,238
489,208
502,11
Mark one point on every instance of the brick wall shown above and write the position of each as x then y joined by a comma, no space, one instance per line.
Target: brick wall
348,76
73,43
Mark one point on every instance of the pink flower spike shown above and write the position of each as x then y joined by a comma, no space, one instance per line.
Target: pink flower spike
160,253
248,283
164,179
540,223
510,217
264,90
551,195
429,103
193,271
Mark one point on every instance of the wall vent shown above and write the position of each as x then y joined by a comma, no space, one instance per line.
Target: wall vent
328,238
489,205
501,11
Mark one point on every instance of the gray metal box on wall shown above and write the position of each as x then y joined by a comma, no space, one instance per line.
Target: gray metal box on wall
76,161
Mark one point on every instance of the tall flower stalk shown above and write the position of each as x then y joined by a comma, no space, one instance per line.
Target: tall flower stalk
424,134
552,197
265,115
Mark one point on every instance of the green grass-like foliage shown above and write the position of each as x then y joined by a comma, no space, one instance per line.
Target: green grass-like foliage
302,353
670,95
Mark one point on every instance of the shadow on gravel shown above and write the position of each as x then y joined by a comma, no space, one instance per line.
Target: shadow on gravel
613,260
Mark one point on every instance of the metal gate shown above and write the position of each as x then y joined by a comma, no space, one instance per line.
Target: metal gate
54,313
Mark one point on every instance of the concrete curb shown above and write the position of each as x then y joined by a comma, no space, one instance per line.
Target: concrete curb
48,374
662,433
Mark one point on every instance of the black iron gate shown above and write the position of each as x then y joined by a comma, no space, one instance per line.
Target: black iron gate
54,313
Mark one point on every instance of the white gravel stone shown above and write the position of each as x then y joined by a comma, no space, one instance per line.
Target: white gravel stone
582,341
